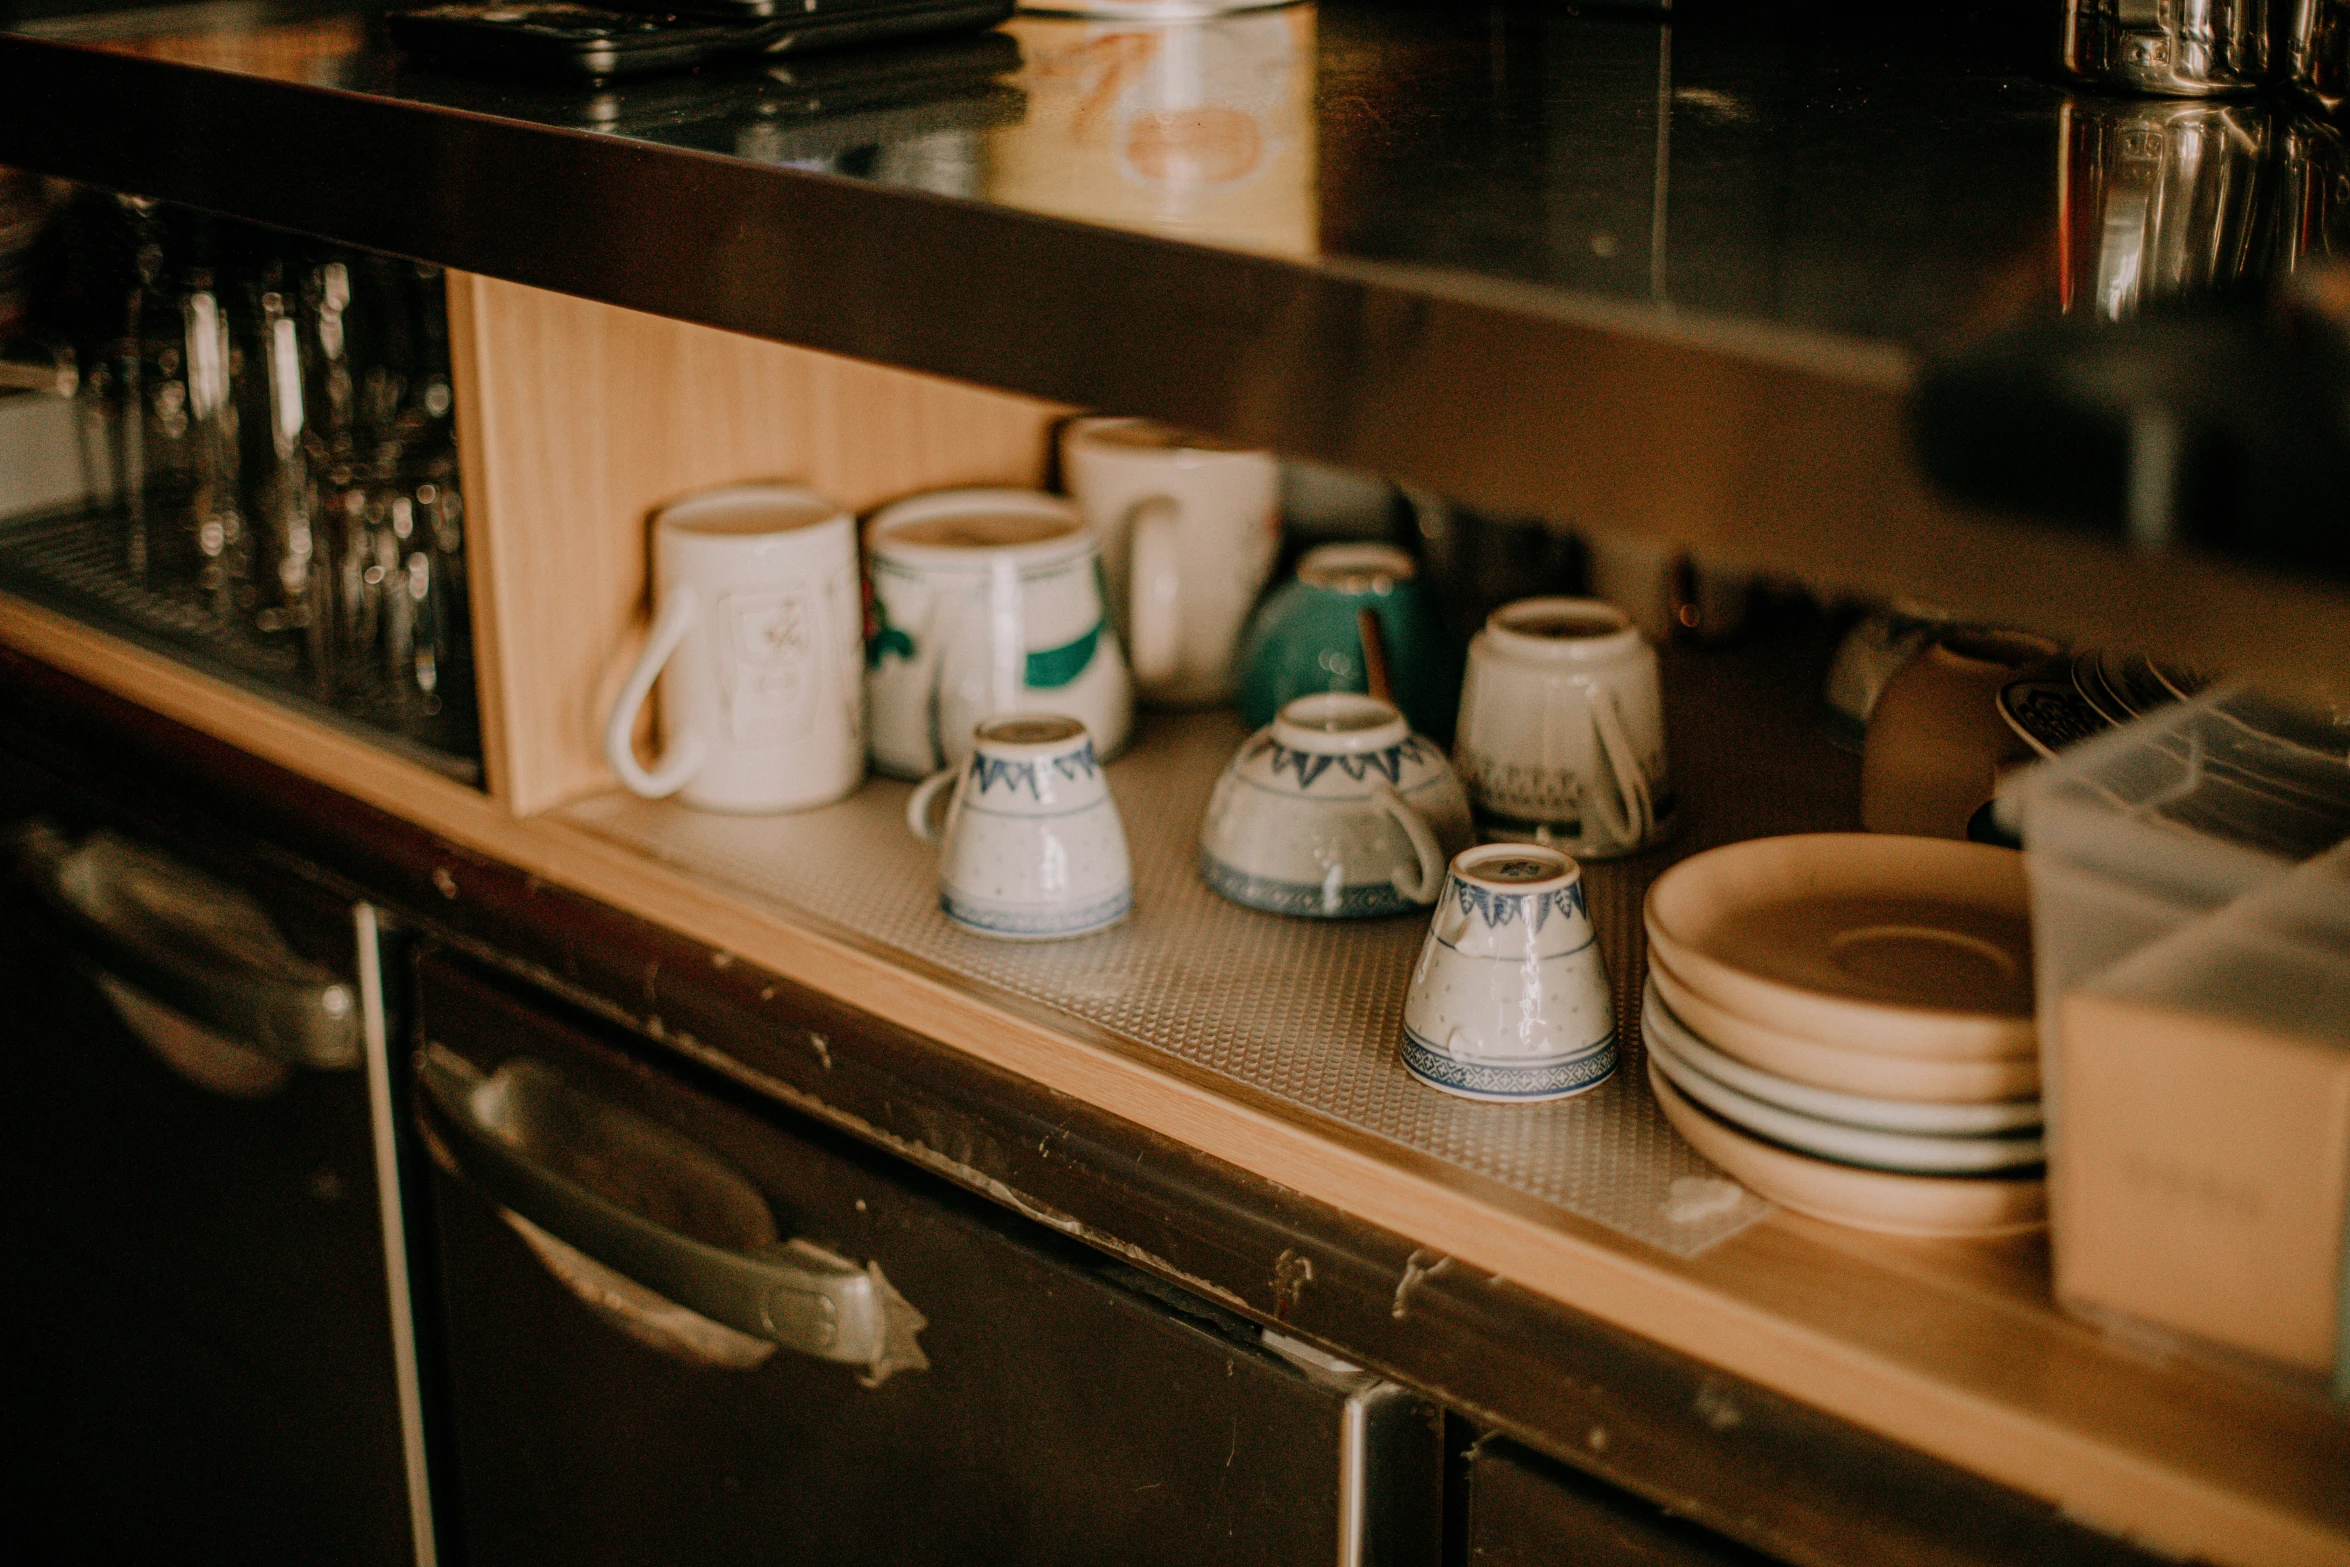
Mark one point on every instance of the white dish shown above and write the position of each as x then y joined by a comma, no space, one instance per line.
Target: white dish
1944,1207
1658,1024
1865,941
1846,1071
1899,1152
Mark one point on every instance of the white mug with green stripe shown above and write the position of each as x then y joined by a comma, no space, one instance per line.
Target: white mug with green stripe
984,601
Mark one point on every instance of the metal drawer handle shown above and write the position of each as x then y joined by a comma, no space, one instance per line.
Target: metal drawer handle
653,1207
197,945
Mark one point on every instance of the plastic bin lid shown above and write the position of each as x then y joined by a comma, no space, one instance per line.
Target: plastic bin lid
2231,767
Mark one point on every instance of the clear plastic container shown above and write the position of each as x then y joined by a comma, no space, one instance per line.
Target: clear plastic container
2165,861
2135,833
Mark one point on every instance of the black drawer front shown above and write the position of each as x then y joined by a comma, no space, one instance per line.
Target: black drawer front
1064,1416
1525,1511
202,1361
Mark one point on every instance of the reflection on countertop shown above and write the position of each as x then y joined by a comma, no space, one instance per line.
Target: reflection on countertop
1900,178
1196,130
2164,198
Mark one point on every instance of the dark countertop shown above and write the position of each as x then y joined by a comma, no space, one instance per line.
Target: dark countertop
1848,170
1583,265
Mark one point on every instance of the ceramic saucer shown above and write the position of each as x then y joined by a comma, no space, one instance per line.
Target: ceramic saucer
2089,678
2049,712
1925,1205
1864,941
1867,1072
1902,1152
2179,681
1670,1035
2141,685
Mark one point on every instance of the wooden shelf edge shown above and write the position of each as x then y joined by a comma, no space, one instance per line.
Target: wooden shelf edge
2096,1477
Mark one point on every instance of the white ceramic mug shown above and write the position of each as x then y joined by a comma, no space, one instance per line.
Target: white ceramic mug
1510,1000
1033,848
755,643
1665,591
1335,810
1562,734
1189,529
985,601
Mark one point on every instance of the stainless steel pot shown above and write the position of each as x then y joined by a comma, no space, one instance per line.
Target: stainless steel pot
2317,51
2173,48
2158,199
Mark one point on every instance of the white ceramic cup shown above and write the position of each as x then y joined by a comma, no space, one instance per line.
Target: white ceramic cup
1562,734
1510,1000
1033,848
985,601
755,643
1189,529
1666,592
1335,810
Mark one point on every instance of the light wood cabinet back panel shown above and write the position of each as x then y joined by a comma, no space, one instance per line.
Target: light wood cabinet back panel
578,420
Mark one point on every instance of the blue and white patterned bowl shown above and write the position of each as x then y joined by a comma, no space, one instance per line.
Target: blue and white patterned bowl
1510,1000
1032,848
1335,810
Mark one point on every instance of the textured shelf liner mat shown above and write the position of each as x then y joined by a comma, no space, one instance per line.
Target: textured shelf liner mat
1308,1012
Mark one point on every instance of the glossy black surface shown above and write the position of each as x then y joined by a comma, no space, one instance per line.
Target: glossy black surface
1850,169
1060,1413
1842,168
204,1366
1572,265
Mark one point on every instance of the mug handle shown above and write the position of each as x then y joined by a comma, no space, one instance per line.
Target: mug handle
680,608
1007,640
919,812
1615,744
927,666
1157,589
1423,887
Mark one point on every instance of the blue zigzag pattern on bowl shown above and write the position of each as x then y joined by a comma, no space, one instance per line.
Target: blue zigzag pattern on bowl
1304,900
1497,909
991,771
1544,1080
1052,920
1357,765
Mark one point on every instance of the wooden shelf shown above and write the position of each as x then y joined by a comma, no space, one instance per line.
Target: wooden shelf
1952,1348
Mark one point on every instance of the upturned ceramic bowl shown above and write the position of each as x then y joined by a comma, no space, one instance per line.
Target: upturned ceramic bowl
1335,810
1509,1000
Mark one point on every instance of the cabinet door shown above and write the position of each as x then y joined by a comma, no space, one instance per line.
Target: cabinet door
201,1363
1044,1405
1525,1511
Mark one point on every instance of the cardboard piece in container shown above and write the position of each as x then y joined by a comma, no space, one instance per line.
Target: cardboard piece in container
2201,1145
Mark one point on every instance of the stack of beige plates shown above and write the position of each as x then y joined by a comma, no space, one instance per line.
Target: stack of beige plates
1843,1021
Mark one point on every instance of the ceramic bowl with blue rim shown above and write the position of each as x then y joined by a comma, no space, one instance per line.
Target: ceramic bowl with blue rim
1032,848
1510,1000
1335,810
